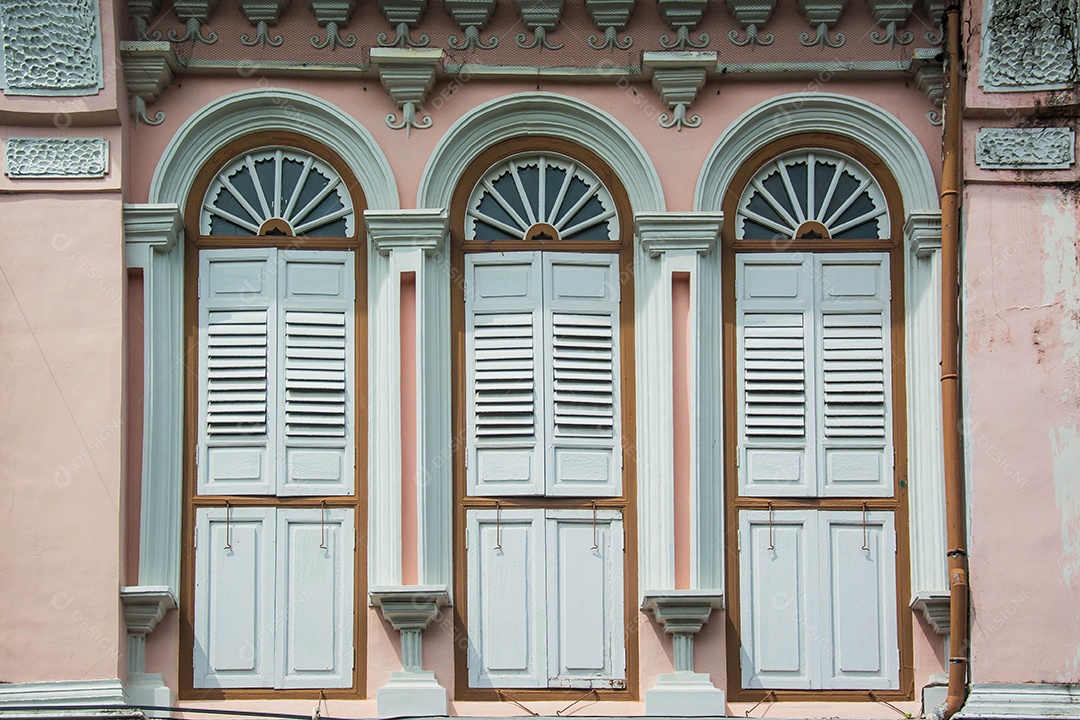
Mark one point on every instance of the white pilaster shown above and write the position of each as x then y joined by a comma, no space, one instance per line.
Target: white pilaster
409,241
152,236
671,243
144,607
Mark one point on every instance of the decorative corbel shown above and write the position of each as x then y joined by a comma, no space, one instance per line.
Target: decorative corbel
890,14
677,77
935,10
144,607
408,76
930,77
684,692
333,15
404,15
262,14
471,16
409,609
194,14
683,16
934,607
540,17
752,15
822,14
610,16
141,12
148,69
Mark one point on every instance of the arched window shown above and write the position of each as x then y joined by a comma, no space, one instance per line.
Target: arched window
543,398
275,293
814,359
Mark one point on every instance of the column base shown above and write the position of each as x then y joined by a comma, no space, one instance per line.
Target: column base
685,694
148,689
414,693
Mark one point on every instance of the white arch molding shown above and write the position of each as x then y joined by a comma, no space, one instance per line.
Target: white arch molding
154,242
896,146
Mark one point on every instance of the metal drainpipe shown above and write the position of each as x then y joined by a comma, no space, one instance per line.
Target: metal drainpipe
951,178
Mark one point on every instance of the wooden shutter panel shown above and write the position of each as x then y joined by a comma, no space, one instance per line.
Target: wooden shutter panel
503,368
585,639
774,295
859,600
234,598
581,363
316,391
507,608
314,645
237,370
854,409
779,604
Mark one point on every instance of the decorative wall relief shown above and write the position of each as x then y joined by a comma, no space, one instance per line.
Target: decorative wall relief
50,47
1029,45
56,157
1025,148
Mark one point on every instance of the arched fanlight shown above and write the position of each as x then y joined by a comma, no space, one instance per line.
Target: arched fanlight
540,197
277,191
811,194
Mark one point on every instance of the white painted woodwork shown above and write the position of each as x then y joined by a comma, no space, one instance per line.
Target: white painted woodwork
545,606
542,361
815,375
276,372
503,366
234,598
581,372
858,576
314,598
506,598
237,369
315,318
818,611
585,643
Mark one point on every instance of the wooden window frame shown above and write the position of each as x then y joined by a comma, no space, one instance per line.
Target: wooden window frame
898,502
627,501
357,501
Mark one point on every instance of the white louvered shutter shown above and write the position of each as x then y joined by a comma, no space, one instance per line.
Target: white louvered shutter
774,295
503,368
581,363
234,598
315,559
237,368
585,639
316,391
854,407
507,601
858,570
779,607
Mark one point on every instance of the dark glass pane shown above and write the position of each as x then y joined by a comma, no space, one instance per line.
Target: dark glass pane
265,170
530,180
290,175
241,180
862,205
508,191
554,178
490,207
797,175
483,231
589,210
823,175
758,205
573,194
334,229
776,188
753,231
220,226
312,187
865,231
845,188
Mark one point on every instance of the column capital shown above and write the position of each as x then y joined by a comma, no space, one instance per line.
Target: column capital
678,231
145,606
409,607
394,229
157,226
682,611
922,233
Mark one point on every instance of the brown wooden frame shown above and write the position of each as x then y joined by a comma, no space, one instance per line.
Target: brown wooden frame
627,502
898,503
194,242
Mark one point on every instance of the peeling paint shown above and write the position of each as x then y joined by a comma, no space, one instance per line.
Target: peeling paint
1060,270
1065,452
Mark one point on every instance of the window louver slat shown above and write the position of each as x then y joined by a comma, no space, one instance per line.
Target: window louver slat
853,362
504,377
774,377
236,374
315,378
583,387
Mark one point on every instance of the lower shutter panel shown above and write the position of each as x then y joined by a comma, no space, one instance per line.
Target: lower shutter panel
234,598
861,602
506,599
780,631
315,598
585,599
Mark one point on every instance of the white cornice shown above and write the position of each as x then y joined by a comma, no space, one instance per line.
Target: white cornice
100,693
667,232
922,233
158,226
1027,701
934,606
145,606
423,229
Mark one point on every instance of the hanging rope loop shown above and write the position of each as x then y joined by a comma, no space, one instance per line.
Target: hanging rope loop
228,526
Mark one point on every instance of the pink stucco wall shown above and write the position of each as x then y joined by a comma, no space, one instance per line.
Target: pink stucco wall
61,319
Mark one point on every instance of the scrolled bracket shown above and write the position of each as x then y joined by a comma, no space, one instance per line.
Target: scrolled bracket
409,119
753,37
611,40
682,40
402,39
194,34
262,37
472,40
138,112
892,36
334,38
822,38
539,41
678,118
